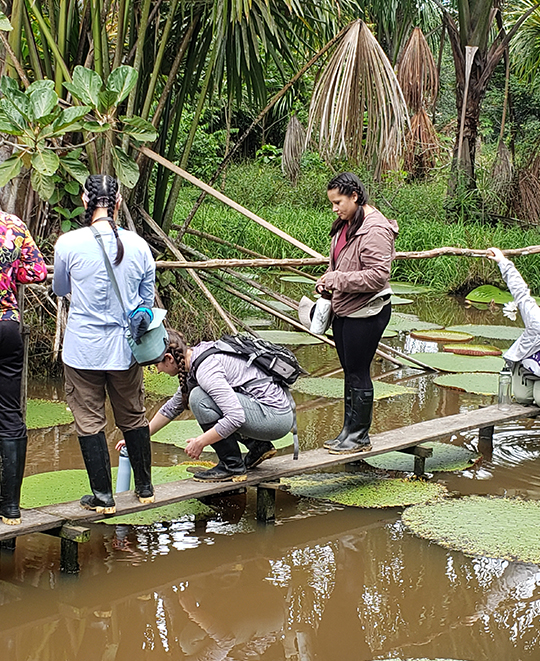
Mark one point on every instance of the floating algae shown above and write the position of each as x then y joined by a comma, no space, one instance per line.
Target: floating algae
159,383
43,413
479,383
178,431
333,388
68,485
364,489
491,527
445,458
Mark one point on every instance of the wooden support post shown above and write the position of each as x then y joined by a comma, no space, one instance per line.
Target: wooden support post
485,441
420,455
70,538
8,544
266,501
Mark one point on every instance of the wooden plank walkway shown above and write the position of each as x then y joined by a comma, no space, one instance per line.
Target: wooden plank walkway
54,516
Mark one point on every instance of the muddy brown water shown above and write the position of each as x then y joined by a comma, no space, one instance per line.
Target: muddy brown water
325,582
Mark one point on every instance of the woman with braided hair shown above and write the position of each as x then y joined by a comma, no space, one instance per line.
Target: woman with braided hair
361,256
233,402
96,354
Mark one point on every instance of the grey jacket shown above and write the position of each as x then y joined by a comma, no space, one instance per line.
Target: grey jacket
363,266
218,375
529,342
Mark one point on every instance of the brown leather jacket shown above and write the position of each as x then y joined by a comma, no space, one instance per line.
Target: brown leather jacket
363,266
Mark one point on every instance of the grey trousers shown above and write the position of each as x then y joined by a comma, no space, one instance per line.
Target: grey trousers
262,423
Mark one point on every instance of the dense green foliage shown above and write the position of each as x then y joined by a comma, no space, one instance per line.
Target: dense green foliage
304,212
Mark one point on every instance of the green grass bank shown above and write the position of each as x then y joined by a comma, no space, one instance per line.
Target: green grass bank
304,212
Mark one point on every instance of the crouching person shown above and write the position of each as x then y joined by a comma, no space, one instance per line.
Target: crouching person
233,402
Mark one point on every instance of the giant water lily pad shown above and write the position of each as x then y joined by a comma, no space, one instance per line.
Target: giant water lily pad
288,337
445,458
479,383
42,413
408,289
488,293
472,349
68,485
441,336
490,332
398,300
178,431
387,334
255,322
159,383
364,489
400,321
449,362
333,388
278,305
490,527
303,279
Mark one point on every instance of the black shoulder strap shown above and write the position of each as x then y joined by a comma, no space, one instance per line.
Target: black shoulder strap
208,352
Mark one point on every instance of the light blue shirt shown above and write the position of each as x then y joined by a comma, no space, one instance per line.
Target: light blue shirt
95,337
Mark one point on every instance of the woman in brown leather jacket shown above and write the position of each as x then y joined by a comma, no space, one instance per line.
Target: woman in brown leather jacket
358,276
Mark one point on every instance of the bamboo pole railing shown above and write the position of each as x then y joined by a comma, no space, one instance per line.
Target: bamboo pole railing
320,261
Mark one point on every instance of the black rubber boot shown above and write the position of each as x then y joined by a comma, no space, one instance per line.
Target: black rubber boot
98,466
328,445
357,439
258,451
140,456
231,466
13,457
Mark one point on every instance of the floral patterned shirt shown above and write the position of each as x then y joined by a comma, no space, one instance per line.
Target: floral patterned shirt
21,262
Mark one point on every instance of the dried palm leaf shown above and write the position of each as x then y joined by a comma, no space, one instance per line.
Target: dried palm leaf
358,104
423,145
293,148
417,73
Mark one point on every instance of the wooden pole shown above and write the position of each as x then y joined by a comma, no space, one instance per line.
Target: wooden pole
157,229
227,200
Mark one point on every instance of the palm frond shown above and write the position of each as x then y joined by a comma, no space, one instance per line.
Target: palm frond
357,104
293,148
423,145
417,72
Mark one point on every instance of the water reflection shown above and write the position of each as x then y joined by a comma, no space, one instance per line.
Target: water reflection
327,582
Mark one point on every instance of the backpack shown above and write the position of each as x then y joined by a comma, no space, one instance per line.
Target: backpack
276,361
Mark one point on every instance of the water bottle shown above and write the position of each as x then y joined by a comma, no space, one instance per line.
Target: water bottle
322,313
505,386
123,479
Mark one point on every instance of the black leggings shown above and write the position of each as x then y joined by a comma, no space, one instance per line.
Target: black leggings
11,366
356,342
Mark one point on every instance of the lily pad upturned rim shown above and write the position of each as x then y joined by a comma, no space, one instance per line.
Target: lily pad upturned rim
453,523
473,349
442,335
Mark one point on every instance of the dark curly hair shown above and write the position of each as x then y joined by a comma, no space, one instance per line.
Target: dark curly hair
102,193
347,183
178,347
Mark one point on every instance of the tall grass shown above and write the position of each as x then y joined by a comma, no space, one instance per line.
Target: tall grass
304,212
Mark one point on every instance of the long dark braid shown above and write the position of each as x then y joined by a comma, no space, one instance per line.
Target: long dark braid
101,192
348,183
178,349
